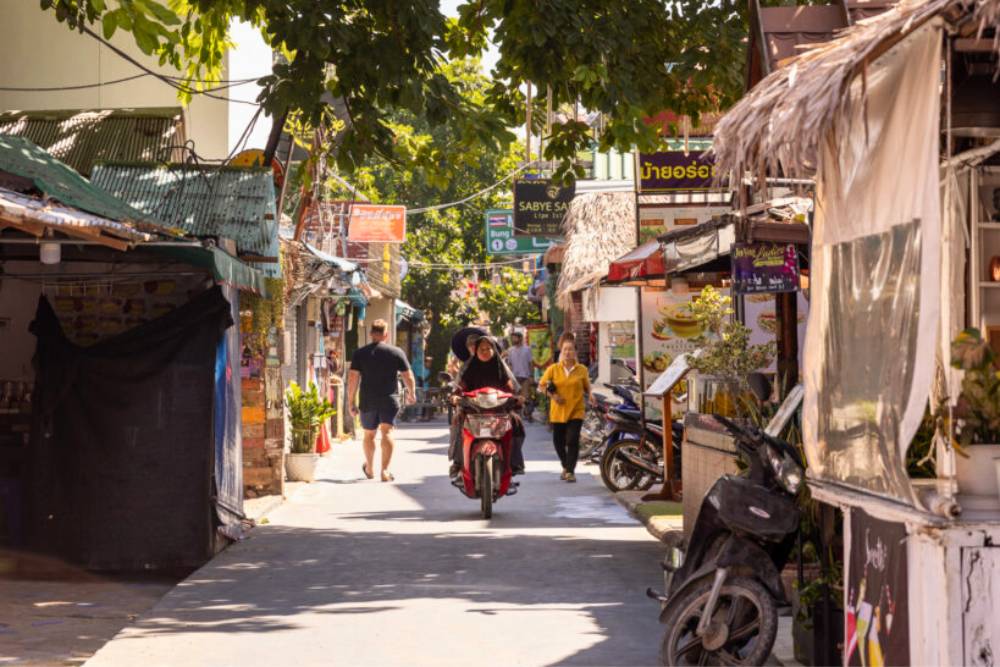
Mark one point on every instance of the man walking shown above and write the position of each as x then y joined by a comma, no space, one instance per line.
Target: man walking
519,356
377,368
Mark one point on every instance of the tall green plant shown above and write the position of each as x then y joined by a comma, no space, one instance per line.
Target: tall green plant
725,342
307,410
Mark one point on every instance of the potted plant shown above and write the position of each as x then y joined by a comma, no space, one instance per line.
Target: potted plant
976,415
727,358
306,411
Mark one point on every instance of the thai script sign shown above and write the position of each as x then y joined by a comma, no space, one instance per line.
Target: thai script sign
372,223
669,171
540,206
501,239
765,268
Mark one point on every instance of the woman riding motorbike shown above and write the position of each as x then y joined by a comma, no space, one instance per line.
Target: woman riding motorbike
485,368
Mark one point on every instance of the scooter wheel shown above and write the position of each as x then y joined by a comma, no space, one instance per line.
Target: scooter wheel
742,631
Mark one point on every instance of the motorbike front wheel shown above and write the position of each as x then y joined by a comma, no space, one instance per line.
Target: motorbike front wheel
742,630
619,475
486,486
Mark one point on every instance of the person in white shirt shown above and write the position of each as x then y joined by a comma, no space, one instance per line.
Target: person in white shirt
520,360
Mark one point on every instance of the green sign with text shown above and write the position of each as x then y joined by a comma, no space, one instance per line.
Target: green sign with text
500,238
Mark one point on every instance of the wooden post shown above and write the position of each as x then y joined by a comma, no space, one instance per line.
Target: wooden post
787,312
527,128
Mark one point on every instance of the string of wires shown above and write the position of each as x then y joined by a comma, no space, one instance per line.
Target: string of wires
169,80
223,84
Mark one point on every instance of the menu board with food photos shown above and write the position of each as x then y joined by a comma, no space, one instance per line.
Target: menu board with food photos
760,312
94,312
669,330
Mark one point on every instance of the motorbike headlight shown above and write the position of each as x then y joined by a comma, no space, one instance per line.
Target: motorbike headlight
787,471
488,399
488,426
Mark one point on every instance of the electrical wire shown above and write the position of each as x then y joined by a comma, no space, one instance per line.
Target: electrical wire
84,86
476,195
162,77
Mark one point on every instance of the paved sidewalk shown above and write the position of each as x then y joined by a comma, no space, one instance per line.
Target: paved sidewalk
356,572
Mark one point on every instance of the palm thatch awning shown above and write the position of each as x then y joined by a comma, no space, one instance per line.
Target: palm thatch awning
783,120
599,227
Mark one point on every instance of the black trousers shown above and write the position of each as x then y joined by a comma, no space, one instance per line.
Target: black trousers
566,438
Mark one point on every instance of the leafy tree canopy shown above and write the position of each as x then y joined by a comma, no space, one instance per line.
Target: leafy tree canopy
626,60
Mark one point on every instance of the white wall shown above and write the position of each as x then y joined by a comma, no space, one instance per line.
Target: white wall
38,51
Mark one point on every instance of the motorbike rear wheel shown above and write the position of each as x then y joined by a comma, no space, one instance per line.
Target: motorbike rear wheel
742,631
486,486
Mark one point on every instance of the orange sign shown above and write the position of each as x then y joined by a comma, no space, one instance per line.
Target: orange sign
371,223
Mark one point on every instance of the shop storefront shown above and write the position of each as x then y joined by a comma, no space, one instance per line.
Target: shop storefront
898,355
120,413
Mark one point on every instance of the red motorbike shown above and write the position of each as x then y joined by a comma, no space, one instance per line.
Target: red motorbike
487,439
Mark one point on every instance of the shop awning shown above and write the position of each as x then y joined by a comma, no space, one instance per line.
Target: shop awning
699,246
225,268
646,261
344,265
408,312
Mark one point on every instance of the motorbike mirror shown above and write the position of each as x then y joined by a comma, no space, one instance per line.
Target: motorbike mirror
730,426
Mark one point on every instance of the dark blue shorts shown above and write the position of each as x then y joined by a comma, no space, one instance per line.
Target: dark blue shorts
382,411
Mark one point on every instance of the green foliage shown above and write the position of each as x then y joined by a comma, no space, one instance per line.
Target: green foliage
725,343
504,302
977,413
441,244
626,61
265,313
307,410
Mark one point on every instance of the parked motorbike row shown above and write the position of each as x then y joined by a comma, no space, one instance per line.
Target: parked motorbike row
628,450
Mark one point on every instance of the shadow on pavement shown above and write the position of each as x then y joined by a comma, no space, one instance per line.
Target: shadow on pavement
334,572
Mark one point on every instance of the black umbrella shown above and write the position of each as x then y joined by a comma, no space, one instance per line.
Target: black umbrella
459,342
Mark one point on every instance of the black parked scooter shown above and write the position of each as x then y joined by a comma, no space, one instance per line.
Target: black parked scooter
722,597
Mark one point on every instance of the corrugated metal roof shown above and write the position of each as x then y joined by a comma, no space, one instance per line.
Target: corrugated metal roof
21,157
235,203
82,138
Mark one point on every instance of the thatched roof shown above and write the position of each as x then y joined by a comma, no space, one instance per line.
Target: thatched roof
786,116
599,227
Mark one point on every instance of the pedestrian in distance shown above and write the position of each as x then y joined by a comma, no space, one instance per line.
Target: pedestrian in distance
568,384
377,367
520,360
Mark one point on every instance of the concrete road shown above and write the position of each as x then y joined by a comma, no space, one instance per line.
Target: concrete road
357,572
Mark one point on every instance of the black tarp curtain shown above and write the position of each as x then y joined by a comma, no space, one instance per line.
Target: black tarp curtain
122,445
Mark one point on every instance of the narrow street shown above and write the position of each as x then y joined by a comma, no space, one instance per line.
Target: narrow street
358,572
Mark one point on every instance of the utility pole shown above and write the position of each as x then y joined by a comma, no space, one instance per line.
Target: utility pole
527,128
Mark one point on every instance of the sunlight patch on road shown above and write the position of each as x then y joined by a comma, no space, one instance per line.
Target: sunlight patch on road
592,507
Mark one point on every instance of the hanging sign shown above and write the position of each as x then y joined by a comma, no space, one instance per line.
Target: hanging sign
371,223
765,268
540,206
670,171
876,617
501,239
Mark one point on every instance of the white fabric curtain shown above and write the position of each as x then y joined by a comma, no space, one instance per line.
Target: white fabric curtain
873,329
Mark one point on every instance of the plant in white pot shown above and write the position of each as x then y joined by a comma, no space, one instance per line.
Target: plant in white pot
977,414
307,411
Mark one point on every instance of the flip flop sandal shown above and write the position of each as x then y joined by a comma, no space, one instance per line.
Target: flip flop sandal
387,476
364,469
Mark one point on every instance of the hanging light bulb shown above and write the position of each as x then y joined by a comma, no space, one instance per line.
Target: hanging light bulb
49,252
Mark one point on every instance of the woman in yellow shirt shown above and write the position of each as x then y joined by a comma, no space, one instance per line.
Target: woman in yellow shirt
567,383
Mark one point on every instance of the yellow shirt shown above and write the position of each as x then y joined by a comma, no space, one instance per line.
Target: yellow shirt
571,387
